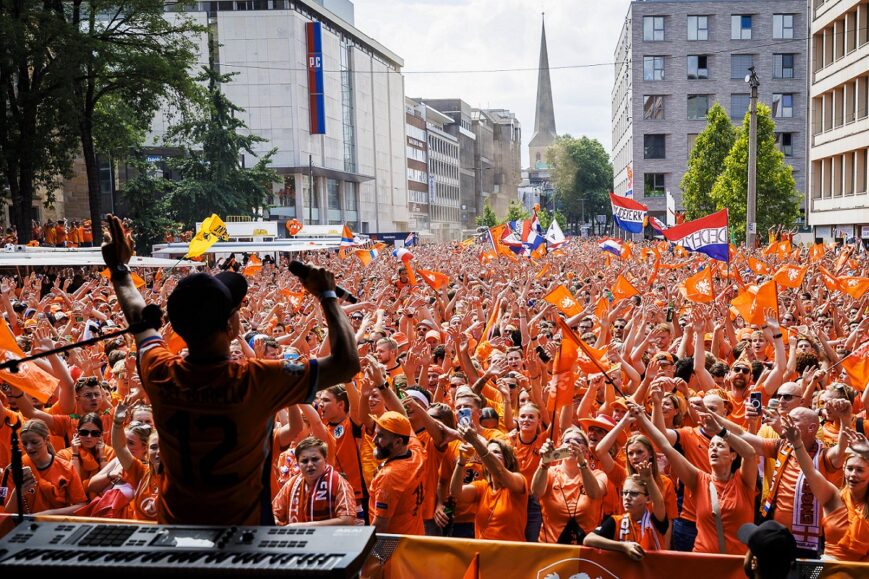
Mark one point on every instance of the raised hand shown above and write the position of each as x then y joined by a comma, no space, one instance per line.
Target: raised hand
789,432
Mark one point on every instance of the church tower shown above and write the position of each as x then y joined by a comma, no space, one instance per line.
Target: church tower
544,118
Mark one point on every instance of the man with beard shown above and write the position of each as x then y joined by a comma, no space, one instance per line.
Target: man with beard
397,492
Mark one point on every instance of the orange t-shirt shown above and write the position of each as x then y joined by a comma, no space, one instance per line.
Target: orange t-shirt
527,455
215,423
397,492
348,459
50,236
846,531
668,490
57,486
431,472
147,483
89,464
695,447
566,496
60,233
465,511
787,488
502,514
736,500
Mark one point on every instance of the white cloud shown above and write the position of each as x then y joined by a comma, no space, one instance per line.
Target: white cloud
454,35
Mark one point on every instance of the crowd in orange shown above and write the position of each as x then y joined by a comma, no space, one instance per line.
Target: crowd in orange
651,401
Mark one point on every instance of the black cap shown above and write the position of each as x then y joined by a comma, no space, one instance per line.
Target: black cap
201,304
770,539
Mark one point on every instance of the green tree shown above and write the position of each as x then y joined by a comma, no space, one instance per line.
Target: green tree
146,198
706,162
778,201
545,218
488,218
131,58
582,176
212,177
516,212
37,133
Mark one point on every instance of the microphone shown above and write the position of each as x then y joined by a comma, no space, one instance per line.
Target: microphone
301,271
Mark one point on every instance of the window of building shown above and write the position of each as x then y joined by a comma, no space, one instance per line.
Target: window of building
654,147
782,105
351,202
653,68
697,67
653,107
782,25
739,105
698,28
653,28
740,27
692,140
654,184
698,106
783,65
785,143
739,65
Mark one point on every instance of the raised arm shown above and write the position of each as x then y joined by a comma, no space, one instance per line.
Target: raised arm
512,480
680,465
825,491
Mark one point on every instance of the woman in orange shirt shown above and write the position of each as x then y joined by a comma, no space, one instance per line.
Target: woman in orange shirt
145,478
502,498
527,441
88,453
51,485
846,511
724,498
571,493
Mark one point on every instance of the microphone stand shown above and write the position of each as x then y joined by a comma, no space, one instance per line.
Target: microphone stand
17,467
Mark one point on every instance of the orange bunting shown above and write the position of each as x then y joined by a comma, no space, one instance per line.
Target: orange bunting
562,299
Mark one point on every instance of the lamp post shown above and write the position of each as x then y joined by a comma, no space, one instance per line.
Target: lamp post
751,204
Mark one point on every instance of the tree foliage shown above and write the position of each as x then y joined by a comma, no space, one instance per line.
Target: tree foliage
545,217
147,199
706,162
516,212
488,217
213,179
778,201
582,176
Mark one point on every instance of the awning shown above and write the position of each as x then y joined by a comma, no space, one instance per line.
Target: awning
282,245
81,258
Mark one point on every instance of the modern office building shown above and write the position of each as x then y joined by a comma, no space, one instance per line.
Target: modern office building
328,97
839,119
506,158
432,174
674,59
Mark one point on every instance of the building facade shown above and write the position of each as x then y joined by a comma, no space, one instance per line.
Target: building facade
418,195
675,59
355,171
506,158
839,119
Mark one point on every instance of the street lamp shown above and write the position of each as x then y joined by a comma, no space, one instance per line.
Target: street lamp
750,208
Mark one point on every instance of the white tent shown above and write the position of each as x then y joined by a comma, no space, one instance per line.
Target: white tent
226,247
22,256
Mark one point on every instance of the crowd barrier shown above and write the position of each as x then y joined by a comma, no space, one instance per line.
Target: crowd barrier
416,557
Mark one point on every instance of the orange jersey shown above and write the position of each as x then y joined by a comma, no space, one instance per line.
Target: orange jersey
89,465
397,492
694,445
846,531
565,498
527,455
215,422
147,483
465,511
502,514
57,486
736,500
348,457
665,484
431,471
648,532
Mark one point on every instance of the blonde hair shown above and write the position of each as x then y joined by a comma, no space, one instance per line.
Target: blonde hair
40,429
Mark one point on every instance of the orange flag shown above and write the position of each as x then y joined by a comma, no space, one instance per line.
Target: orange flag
854,286
562,299
295,298
816,253
751,303
251,269
601,308
790,275
857,366
758,266
30,378
473,571
783,249
137,281
542,271
623,289
830,281
578,352
434,279
487,256
699,287
655,269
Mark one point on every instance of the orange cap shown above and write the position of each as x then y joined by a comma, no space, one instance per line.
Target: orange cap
394,422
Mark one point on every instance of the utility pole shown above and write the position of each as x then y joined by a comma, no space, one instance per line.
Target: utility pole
751,205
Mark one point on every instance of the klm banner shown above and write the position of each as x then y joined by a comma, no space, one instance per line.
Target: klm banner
316,99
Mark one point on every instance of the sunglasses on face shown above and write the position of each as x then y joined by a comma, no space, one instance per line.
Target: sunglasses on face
84,432
785,396
741,370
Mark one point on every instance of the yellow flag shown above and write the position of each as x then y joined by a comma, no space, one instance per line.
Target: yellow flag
212,229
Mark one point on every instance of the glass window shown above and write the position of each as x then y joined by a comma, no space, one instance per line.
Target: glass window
654,147
783,65
740,27
782,105
333,201
698,28
698,106
739,105
697,67
654,184
653,28
653,68
785,143
739,64
653,107
782,25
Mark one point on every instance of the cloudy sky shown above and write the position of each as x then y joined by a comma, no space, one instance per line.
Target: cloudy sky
433,36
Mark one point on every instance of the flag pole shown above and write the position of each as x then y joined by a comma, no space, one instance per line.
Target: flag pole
839,363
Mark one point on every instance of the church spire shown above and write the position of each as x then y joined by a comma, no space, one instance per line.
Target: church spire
544,118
